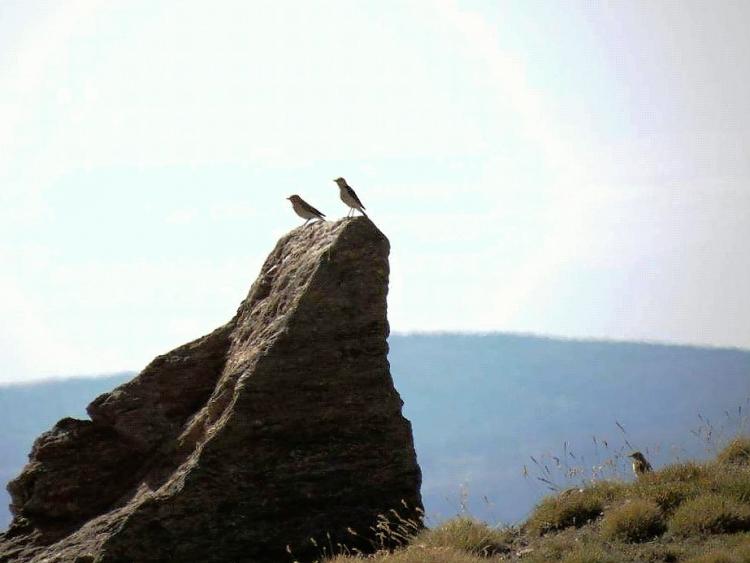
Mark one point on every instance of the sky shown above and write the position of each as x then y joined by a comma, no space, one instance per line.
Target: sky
574,168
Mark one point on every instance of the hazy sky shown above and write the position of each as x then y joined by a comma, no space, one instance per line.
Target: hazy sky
567,168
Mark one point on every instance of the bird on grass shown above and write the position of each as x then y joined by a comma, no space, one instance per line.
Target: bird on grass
641,466
304,209
347,195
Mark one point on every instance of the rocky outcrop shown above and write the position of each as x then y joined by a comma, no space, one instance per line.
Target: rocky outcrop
281,426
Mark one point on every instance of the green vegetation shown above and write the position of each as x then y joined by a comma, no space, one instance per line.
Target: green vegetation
467,535
710,514
570,508
634,521
686,512
589,554
671,486
738,451
739,554
416,554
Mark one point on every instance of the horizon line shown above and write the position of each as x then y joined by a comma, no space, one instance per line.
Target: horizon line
55,378
552,336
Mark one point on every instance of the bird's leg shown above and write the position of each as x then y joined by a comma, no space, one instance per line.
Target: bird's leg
306,222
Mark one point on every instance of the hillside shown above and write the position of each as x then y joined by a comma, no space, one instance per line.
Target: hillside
480,406
688,512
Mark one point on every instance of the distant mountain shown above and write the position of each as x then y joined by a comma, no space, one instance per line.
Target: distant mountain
483,405
28,410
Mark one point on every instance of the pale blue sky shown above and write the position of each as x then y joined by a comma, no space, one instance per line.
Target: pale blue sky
570,168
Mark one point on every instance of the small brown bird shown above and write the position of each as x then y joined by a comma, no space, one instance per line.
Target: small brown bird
304,209
347,195
641,465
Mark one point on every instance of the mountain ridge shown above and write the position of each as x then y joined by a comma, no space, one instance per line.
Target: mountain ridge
408,333
463,393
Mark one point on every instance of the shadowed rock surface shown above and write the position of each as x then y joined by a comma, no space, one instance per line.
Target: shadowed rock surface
281,426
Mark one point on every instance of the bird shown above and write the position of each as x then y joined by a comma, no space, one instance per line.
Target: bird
641,466
349,197
304,209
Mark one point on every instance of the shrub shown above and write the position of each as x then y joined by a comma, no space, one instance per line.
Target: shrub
672,485
713,557
465,534
680,473
710,514
590,554
607,491
667,496
562,511
635,521
737,451
415,555
742,553
739,554
733,482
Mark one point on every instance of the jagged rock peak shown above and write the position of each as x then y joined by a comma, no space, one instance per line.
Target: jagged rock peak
280,426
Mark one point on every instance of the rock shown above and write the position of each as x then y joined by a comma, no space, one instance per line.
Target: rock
280,427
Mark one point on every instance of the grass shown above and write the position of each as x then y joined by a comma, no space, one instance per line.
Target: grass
671,486
571,508
737,452
466,534
590,555
710,514
634,521
415,554
738,554
685,512
732,482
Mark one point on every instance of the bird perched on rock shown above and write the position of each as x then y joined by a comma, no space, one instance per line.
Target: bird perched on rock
641,465
304,209
347,195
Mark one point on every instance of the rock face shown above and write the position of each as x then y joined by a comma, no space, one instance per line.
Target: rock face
280,426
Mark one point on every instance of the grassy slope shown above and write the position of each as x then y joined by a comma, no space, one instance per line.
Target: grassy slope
698,513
